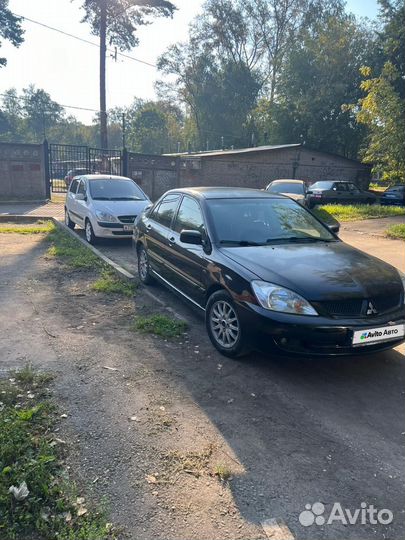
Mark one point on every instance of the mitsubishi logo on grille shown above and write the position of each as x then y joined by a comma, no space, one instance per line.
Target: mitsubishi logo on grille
371,310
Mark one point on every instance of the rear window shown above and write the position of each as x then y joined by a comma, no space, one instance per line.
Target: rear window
321,185
286,187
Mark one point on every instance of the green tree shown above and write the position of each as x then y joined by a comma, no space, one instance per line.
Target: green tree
382,111
117,21
320,75
10,28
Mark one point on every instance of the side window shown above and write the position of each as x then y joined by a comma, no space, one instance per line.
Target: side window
353,187
189,216
82,187
165,210
73,186
336,187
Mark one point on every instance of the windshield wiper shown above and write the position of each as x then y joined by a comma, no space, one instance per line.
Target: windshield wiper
242,243
125,199
101,199
297,239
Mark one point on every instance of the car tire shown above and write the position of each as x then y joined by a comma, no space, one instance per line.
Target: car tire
89,232
223,325
68,222
143,266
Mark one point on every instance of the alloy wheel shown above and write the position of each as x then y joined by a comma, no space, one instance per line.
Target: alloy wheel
224,324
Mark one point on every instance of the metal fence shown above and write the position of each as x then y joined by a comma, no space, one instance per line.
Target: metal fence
66,161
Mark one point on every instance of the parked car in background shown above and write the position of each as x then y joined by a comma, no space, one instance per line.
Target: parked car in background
328,192
256,263
394,195
106,206
296,189
72,173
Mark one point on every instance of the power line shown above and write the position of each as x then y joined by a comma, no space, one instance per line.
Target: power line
113,51
3,94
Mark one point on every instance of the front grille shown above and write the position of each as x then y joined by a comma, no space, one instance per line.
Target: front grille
343,308
127,219
357,307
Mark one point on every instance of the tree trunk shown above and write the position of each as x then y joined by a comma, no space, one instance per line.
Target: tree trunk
103,106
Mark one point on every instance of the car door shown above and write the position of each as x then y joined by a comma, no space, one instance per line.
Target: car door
157,227
356,195
340,192
187,261
71,200
82,203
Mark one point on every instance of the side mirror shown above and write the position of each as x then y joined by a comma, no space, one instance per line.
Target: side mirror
309,192
191,237
81,197
333,227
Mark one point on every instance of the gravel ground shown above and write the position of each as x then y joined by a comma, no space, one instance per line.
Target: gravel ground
151,421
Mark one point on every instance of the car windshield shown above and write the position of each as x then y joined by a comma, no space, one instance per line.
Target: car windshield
261,221
287,187
321,185
115,190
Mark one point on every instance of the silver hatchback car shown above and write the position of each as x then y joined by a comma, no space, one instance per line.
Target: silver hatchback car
105,206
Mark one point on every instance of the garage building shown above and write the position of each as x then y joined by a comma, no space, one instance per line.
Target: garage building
256,167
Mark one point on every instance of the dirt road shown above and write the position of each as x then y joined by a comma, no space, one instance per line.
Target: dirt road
151,433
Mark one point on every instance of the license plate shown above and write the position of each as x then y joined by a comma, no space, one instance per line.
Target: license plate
128,227
382,333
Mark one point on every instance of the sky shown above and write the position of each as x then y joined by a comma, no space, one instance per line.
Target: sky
68,69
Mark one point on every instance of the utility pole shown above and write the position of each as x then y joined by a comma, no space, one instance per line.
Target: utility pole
123,131
103,51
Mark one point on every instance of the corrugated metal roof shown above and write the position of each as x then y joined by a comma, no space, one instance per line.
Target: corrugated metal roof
235,151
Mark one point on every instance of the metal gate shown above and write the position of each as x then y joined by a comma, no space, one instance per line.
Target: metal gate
66,161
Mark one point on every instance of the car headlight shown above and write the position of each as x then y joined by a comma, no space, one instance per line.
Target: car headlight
402,276
105,216
276,298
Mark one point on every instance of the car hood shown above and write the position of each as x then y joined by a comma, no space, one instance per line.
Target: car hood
325,270
120,208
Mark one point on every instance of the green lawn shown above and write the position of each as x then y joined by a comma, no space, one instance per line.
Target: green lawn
396,231
343,212
27,228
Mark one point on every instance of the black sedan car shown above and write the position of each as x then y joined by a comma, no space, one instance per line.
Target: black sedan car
394,195
260,264
325,192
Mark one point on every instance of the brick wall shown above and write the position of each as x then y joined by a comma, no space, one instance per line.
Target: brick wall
22,172
257,169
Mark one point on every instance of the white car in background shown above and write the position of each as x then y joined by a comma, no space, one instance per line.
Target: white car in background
105,206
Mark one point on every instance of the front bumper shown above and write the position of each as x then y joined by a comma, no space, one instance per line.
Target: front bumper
306,335
111,230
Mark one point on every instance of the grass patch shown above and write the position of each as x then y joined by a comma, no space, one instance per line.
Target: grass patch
161,325
222,472
28,228
71,251
396,231
46,506
110,283
194,463
348,212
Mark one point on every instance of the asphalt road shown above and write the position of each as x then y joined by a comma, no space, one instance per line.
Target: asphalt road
298,432
329,431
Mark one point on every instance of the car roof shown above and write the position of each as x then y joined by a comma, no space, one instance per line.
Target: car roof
287,181
227,193
104,177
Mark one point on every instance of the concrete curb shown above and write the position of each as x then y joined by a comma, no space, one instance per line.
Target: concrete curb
119,270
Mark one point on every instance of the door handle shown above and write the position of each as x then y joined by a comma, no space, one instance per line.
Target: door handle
172,240
149,226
